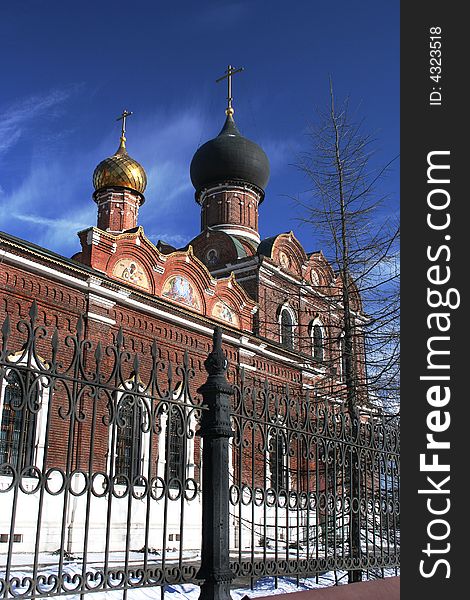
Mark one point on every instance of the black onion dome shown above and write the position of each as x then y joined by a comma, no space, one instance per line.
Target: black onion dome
229,157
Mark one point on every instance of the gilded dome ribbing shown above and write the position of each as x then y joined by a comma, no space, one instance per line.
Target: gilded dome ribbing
120,170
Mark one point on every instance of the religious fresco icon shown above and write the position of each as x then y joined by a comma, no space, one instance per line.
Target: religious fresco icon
284,260
131,271
314,277
212,257
223,312
179,289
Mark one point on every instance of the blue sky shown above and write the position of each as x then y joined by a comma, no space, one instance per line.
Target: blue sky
70,68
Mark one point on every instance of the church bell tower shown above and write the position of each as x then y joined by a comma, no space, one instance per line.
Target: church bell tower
230,173
119,183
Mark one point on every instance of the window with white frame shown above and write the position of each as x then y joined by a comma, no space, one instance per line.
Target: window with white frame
176,446
128,459
318,340
23,418
176,441
129,436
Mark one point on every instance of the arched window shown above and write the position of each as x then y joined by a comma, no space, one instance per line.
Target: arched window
176,442
18,421
130,439
317,342
129,429
286,323
278,460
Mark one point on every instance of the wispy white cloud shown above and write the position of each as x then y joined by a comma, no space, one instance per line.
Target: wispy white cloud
281,152
58,232
169,237
16,118
52,201
168,182
46,205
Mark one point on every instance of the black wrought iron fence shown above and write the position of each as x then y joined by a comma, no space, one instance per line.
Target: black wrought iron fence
115,473
99,484
306,477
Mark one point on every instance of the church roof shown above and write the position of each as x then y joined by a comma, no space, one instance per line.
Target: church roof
49,254
229,157
241,251
265,246
120,170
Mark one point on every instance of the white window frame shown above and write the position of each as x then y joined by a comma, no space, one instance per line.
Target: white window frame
312,325
189,467
42,414
145,439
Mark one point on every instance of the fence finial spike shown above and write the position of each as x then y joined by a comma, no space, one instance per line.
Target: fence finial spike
98,352
154,349
80,326
33,311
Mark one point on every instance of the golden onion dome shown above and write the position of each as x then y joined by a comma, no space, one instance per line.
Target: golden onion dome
120,170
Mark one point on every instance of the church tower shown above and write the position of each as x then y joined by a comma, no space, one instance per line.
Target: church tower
230,173
119,183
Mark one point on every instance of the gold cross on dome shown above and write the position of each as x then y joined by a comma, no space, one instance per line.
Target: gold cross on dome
123,117
228,75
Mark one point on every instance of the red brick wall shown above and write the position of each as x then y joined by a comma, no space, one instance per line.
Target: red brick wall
60,306
236,207
117,209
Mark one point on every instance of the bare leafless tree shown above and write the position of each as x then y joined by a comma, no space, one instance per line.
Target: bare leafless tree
361,240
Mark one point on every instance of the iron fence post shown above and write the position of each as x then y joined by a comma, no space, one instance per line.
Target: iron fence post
355,574
215,432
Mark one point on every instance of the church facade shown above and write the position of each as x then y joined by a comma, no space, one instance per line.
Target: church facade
279,307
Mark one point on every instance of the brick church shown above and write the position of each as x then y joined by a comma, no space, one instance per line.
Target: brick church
278,305
275,301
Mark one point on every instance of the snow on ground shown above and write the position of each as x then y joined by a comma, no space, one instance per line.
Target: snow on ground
95,559
263,587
